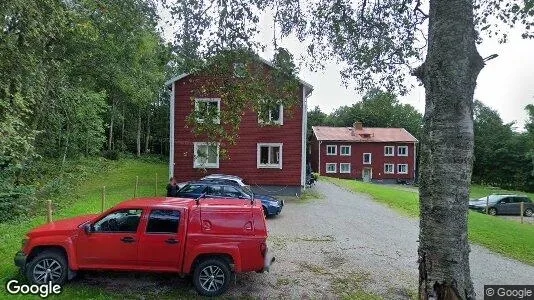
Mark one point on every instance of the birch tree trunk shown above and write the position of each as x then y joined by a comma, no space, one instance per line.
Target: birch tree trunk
147,137
111,124
449,76
139,132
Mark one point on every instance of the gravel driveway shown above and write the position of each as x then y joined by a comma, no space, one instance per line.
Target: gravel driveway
344,243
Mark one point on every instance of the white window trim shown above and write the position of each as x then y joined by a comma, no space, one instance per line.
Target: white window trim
259,165
341,169
392,150
280,120
370,159
206,165
218,100
237,65
335,147
392,168
335,168
398,165
345,146
398,152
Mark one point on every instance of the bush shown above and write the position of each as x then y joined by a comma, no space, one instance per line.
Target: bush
111,154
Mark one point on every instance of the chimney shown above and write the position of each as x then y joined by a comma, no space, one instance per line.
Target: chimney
358,125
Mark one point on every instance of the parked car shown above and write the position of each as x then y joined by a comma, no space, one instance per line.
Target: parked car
503,205
233,178
224,188
184,236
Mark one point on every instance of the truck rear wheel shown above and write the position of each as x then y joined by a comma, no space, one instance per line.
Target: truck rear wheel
212,277
47,266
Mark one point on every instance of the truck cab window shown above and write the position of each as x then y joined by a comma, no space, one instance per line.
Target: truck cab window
124,220
163,221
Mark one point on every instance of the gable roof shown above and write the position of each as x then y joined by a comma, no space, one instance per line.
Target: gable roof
366,134
307,86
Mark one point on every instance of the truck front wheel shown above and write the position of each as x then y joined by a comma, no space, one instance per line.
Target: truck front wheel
47,266
212,277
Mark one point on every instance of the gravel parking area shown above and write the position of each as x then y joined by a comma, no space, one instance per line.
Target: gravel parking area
343,243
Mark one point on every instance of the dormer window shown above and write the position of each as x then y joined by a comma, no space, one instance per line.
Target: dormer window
240,70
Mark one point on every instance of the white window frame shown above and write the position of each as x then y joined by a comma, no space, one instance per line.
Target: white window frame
236,66
335,149
402,147
259,165
331,164
218,100
206,165
370,159
398,169
270,121
345,146
392,151
341,169
392,168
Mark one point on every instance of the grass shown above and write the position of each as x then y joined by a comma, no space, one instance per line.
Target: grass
506,237
119,177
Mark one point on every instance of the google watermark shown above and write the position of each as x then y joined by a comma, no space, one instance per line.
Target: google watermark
502,292
13,287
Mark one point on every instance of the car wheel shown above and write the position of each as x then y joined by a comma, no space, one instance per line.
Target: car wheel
265,212
47,266
212,277
492,211
528,212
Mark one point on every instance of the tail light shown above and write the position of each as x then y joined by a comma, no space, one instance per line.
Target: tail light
263,249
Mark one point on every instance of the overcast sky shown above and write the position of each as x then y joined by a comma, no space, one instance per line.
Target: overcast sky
506,83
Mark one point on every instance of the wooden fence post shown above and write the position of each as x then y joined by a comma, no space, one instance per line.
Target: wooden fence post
487,204
156,189
522,205
103,197
49,210
136,185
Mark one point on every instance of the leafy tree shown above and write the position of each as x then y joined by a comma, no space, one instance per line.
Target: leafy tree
315,118
378,42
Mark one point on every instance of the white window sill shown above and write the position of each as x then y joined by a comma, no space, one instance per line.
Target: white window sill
269,167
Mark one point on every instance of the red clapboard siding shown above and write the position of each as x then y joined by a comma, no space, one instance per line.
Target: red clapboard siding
242,157
378,159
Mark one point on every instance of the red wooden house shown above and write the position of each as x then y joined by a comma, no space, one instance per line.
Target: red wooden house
370,154
271,159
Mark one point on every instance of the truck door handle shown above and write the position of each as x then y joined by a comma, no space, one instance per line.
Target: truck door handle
171,241
127,239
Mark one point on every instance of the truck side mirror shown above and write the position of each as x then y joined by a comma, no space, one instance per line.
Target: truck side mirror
88,228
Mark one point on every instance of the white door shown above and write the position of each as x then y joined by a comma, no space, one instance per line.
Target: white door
367,174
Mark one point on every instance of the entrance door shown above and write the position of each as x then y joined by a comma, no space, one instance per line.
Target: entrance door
367,174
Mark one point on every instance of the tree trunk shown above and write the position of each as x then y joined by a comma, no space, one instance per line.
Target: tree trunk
147,137
139,132
449,76
110,138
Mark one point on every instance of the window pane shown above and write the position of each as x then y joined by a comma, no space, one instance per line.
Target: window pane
163,221
215,190
212,154
230,191
125,220
264,155
275,113
202,154
275,155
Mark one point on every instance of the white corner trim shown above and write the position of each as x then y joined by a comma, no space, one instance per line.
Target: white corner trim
171,131
304,133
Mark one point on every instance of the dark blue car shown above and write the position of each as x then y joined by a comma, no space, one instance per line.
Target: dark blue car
229,189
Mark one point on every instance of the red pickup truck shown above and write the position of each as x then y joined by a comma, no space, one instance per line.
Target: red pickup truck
208,238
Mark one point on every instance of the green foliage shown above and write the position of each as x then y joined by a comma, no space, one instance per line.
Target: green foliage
507,237
502,156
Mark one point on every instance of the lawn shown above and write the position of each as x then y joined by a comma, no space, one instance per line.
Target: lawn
119,177
507,237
